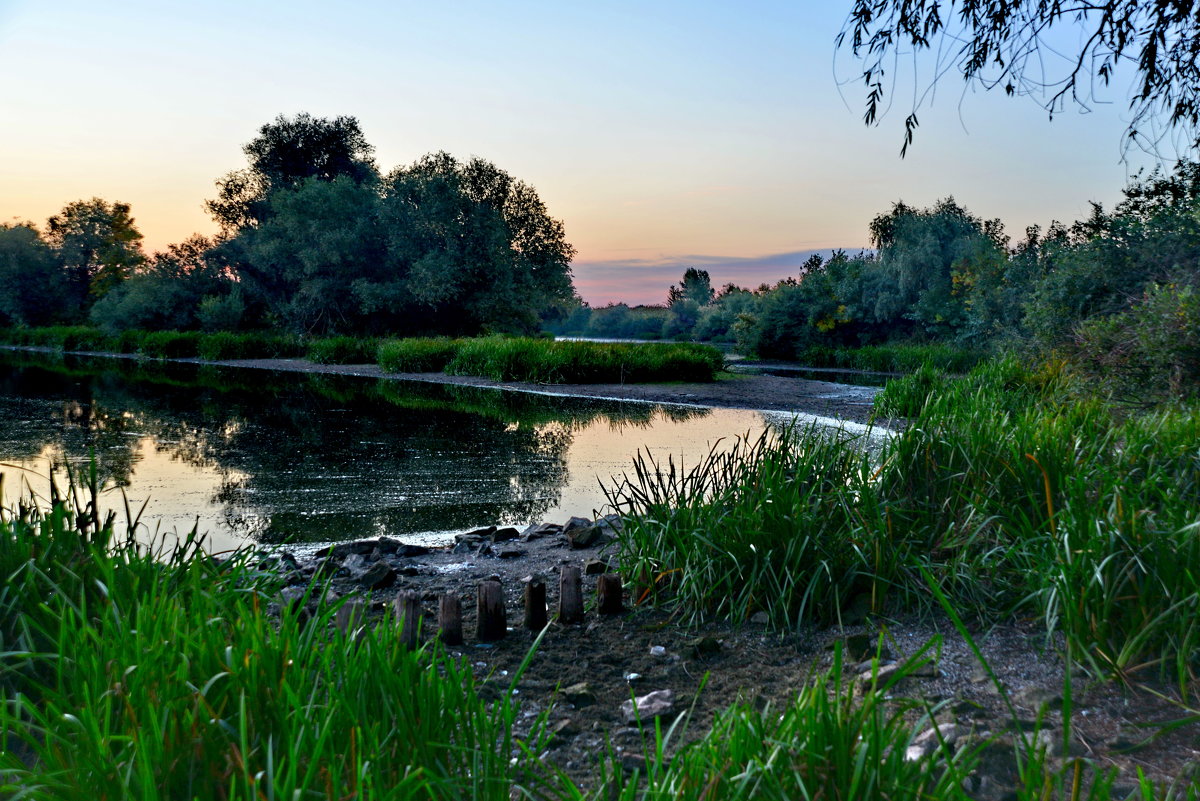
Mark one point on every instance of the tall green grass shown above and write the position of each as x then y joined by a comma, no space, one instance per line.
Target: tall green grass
545,361
124,675
789,525
824,744
894,358
417,354
343,350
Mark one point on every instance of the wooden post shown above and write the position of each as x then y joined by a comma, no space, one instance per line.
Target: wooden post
450,619
408,612
570,595
491,623
608,594
350,616
535,605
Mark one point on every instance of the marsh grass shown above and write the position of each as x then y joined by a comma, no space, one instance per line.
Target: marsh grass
545,361
126,674
343,350
787,524
893,358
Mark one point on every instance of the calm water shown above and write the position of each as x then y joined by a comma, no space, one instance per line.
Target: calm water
250,455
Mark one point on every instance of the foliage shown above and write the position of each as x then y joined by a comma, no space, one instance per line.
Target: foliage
31,291
1008,44
787,525
286,153
342,350
549,362
241,705
98,246
826,743
417,354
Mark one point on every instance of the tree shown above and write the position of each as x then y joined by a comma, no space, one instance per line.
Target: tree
286,153
696,286
97,244
1009,44
30,279
469,248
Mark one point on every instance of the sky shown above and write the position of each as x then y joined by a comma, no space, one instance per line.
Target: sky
665,135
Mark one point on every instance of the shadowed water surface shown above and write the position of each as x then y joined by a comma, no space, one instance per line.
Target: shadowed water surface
250,455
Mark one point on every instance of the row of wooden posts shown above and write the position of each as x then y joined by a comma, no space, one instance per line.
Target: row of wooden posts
491,622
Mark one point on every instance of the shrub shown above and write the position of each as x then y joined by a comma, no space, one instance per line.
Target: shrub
343,350
417,355
171,344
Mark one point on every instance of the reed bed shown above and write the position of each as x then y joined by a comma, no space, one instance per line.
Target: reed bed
549,362
894,358
343,350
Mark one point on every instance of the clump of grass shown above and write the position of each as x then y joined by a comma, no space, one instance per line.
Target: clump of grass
250,345
788,525
417,354
343,350
906,396
893,358
550,362
825,744
171,344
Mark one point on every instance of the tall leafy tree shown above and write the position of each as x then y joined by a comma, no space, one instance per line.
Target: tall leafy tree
98,246
287,152
31,288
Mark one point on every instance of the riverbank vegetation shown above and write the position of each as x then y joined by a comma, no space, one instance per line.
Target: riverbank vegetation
1115,294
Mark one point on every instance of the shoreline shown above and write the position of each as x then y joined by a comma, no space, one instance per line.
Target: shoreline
821,402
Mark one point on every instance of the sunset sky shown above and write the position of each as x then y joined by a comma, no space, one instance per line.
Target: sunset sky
664,134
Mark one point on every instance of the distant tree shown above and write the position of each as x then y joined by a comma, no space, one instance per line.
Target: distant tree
286,153
696,286
1005,44
166,292
98,246
30,278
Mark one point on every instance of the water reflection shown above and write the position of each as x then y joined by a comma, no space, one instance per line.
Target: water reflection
247,454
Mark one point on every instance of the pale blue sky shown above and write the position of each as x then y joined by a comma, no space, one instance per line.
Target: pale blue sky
663,134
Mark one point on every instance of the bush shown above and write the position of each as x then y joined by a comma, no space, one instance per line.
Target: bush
171,344
520,359
417,355
226,345
343,350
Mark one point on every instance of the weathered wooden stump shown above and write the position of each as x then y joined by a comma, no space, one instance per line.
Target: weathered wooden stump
450,619
570,595
408,613
535,605
491,623
608,594
351,616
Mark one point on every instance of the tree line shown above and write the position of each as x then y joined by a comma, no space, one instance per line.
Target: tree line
1117,293
314,239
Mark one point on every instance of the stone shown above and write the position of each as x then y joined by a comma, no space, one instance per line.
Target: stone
610,525
581,532
505,534
1035,698
378,576
595,567
509,553
477,534
649,706
703,646
760,618
343,549
537,531
930,740
579,694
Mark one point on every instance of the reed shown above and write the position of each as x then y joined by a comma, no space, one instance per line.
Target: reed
343,350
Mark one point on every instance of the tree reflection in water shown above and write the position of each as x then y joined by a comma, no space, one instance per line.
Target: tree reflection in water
308,457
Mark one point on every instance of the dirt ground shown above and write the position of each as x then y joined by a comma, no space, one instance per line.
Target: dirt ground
583,673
